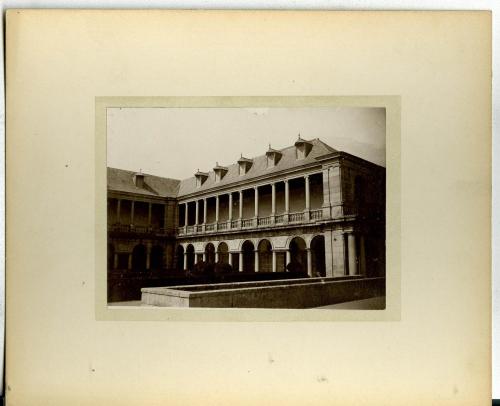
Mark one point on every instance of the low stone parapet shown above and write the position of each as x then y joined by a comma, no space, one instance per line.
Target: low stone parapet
285,294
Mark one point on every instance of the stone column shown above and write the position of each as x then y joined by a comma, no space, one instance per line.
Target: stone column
186,214
309,262
362,258
185,261
274,261
216,256
217,209
256,266
287,259
204,256
118,210
130,261
197,212
230,215
115,261
195,258
230,258
240,264
287,202
241,207
351,252
308,199
256,195
326,194
132,206
204,213
273,201
150,206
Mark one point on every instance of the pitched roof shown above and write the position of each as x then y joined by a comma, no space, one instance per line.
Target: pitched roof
120,180
259,167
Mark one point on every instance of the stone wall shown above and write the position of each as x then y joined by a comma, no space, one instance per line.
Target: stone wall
286,294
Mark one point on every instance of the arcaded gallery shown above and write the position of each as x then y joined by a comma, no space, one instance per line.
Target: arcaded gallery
307,209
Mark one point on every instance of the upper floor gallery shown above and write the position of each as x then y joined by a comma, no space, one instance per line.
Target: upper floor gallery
305,183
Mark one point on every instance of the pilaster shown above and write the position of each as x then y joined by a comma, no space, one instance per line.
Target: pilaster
335,261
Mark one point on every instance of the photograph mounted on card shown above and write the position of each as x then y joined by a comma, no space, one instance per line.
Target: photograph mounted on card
248,204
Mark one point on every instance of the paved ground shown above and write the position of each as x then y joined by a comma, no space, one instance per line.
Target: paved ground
129,303
374,303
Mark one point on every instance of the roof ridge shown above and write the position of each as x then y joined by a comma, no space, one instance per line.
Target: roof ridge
235,164
325,144
145,174
170,186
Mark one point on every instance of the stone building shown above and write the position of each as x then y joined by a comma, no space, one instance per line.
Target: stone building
141,221
308,207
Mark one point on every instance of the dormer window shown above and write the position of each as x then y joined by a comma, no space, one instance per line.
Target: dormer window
139,180
201,177
302,148
244,165
273,157
220,172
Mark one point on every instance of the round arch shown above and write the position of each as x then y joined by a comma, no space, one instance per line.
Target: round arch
296,237
243,242
298,255
223,253
318,255
209,253
190,257
265,249
248,250
269,240
179,258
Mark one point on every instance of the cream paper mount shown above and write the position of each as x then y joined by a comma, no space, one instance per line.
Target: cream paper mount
64,347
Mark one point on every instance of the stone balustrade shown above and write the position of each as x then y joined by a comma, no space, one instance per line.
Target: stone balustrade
195,215
304,217
316,214
132,228
296,217
264,221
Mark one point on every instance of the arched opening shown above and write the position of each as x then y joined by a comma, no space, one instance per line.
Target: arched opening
318,256
223,253
190,257
265,256
248,256
179,258
111,256
298,255
139,258
156,261
210,253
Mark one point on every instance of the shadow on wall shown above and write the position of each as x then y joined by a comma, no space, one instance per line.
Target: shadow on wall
126,285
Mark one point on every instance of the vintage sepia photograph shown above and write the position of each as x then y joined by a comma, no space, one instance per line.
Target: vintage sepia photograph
265,207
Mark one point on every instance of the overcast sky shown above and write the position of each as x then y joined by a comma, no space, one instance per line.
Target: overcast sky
175,142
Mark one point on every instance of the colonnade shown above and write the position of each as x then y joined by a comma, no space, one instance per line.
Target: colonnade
131,217
354,254
240,254
240,222
144,252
